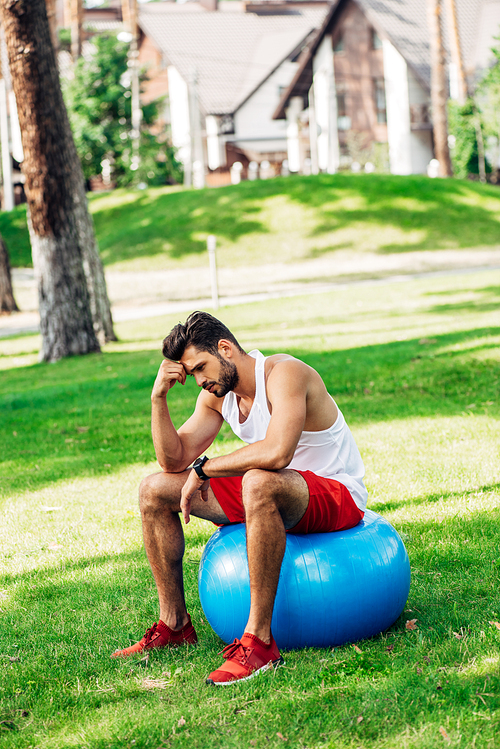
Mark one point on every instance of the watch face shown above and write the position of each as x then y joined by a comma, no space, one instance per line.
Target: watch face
198,466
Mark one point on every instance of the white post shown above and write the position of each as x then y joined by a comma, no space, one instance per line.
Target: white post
8,189
313,132
197,155
398,109
211,244
292,133
15,130
235,172
135,100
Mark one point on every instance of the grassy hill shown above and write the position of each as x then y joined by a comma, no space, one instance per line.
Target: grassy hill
283,220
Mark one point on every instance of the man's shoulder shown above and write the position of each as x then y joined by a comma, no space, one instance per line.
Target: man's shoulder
285,365
274,359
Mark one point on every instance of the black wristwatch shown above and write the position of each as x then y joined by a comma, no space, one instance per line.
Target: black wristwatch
198,467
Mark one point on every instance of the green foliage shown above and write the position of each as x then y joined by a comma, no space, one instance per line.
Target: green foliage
462,126
489,97
64,35
99,107
489,91
482,110
14,230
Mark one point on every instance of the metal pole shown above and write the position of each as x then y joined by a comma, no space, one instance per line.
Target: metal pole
211,244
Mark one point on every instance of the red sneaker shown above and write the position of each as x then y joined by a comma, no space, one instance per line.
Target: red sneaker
246,658
160,636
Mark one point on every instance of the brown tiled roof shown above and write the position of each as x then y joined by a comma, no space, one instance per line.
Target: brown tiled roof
230,53
404,22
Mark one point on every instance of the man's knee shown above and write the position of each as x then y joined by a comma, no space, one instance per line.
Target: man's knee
154,492
259,490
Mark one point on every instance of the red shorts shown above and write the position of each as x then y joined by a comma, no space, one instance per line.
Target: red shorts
331,506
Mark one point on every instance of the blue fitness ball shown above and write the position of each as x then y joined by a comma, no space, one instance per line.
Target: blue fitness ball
333,587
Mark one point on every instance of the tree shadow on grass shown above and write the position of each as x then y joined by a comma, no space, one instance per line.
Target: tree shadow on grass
90,416
423,499
442,214
67,622
488,303
170,222
411,378
432,214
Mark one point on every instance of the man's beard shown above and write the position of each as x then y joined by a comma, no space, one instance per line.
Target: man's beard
228,378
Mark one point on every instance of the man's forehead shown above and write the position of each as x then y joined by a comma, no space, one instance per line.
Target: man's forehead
192,357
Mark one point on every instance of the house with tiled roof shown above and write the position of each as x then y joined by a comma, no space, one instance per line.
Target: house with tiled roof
224,67
363,81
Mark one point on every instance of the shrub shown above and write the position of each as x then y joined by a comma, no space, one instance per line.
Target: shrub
99,107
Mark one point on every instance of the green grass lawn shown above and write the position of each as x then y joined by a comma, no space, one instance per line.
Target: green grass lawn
283,220
415,366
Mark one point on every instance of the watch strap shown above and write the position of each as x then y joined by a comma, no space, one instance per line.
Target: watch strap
198,467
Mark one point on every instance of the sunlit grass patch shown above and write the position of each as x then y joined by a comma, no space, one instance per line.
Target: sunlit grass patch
414,366
283,220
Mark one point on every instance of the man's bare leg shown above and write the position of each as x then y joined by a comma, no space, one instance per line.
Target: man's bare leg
159,497
274,501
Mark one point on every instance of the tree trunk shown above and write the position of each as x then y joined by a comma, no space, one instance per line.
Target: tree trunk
126,15
7,301
76,8
54,183
67,13
51,15
481,156
439,95
456,50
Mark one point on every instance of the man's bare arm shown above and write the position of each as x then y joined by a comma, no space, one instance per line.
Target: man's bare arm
176,449
287,389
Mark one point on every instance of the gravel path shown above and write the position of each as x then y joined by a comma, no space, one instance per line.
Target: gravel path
140,294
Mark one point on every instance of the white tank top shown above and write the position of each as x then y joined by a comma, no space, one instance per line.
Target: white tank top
331,453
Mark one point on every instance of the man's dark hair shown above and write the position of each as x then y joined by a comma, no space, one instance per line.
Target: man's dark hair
201,330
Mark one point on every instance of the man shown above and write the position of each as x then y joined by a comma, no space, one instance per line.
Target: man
299,472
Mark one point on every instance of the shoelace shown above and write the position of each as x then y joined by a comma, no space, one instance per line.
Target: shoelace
236,650
150,633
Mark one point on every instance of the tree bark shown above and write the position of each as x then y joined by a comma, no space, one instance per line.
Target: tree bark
58,215
456,50
76,9
51,15
7,301
439,96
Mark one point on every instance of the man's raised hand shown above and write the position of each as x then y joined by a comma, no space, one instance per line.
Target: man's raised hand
169,373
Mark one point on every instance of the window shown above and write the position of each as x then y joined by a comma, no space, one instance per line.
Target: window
343,121
380,105
339,45
376,40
